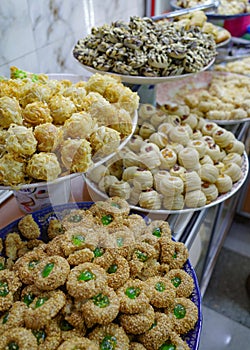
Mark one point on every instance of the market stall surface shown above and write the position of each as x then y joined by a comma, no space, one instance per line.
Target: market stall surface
226,306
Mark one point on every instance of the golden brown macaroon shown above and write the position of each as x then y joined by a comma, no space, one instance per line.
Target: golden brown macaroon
10,112
61,108
12,170
43,166
13,243
76,155
28,227
79,126
20,140
48,136
36,113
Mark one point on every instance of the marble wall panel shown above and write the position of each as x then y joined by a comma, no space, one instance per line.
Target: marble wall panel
39,35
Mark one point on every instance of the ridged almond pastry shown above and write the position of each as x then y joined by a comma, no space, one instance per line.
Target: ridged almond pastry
159,139
146,130
191,120
210,191
233,158
195,199
171,185
235,146
168,158
177,170
233,170
150,200
224,183
218,115
222,137
189,158
175,202
214,152
206,160
120,189
209,128
146,111
148,147
158,177
179,135
97,173
135,195
165,128
128,173
199,145
208,173
143,179
129,158
135,143
106,182
150,160
158,118
192,181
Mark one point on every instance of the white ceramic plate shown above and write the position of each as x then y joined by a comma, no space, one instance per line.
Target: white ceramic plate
97,194
140,80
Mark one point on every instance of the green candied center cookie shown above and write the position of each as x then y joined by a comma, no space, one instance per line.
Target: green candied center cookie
157,232
40,302
4,289
119,241
153,325
28,298
179,311
32,264
112,268
116,205
12,346
108,343
5,318
2,267
101,300
176,281
86,276
65,325
107,219
174,255
132,292
47,269
40,336
77,240
167,346
160,286
141,256
75,218
98,252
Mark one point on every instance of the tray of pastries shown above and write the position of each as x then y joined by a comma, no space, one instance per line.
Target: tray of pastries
58,125
96,276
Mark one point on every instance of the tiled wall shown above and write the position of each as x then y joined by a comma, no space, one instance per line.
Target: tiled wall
38,35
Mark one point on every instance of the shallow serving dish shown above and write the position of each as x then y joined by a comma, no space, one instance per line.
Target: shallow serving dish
42,218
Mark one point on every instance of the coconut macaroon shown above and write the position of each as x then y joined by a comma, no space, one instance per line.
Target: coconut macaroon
28,227
43,166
